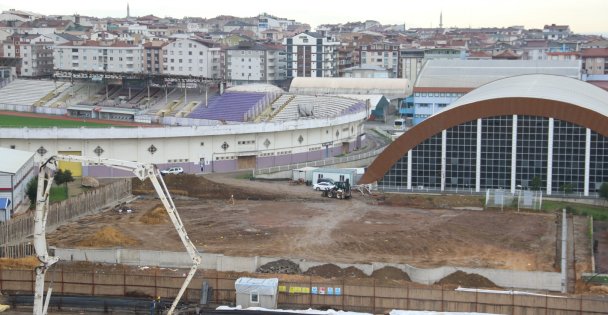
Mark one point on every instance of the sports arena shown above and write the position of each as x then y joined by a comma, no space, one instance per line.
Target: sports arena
194,123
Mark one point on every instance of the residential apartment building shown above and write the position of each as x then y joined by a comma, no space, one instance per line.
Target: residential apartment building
411,63
311,54
595,61
556,32
194,57
35,52
153,56
111,56
385,55
255,63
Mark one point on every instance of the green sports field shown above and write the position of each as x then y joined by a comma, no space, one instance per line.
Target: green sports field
39,122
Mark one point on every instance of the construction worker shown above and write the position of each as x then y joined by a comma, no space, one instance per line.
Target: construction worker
231,200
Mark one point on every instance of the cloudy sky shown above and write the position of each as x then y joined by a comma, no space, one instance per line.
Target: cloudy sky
583,16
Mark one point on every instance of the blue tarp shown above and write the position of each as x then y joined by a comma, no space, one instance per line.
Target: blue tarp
4,203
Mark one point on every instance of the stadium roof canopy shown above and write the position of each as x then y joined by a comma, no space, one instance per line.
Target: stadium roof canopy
471,74
256,87
391,88
558,97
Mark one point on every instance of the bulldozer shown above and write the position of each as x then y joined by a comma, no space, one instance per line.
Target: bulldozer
341,190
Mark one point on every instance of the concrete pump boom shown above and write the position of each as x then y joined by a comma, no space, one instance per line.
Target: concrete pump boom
142,171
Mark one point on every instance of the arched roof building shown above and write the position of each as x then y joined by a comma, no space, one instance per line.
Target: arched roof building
391,88
506,134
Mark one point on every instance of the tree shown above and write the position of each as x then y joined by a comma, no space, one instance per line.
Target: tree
566,188
31,191
604,191
63,177
536,183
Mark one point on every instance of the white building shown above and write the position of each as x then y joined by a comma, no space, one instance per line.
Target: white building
111,56
16,170
194,57
385,55
35,51
255,63
310,54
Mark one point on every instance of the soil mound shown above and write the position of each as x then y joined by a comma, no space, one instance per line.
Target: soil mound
200,187
156,215
461,278
325,271
282,266
390,273
106,237
353,272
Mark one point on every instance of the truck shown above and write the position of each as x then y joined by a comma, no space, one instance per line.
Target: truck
341,190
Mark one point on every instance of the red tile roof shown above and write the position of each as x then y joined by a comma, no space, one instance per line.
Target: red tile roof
595,52
96,43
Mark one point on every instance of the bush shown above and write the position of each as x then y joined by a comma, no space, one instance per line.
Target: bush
31,191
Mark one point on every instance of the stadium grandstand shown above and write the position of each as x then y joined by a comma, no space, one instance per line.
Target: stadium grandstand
245,127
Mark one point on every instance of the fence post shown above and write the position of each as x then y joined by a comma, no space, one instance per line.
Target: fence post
343,293
442,298
407,297
93,281
374,297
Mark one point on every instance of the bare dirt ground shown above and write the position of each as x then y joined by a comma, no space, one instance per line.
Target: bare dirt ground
278,219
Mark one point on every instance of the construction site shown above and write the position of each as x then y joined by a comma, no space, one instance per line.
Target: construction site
277,219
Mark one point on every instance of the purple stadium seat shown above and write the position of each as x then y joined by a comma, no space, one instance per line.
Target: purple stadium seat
230,106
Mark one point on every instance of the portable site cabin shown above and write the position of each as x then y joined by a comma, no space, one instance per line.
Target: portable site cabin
252,292
16,170
304,173
336,174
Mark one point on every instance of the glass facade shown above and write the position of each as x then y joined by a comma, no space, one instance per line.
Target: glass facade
461,153
426,164
568,157
496,143
598,166
532,148
531,152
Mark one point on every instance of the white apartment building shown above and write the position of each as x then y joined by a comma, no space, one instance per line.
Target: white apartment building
310,54
111,56
385,55
194,57
35,51
254,63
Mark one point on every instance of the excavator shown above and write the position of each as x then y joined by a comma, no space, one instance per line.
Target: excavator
140,170
341,190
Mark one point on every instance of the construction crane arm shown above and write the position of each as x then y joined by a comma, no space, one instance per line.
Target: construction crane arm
142,171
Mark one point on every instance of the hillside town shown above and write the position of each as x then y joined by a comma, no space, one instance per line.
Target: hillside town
271,49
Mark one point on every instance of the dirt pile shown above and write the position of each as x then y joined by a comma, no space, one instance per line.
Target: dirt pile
282,266
156,215
107,237
471,280
353,272
334,271
325,271
390,273
200,187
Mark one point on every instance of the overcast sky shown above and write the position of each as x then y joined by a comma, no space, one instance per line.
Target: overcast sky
583,16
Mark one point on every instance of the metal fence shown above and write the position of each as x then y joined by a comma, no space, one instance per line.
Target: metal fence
33,109
302,292
17,229
320,163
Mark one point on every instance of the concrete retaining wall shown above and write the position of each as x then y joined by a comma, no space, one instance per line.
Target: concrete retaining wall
532,280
